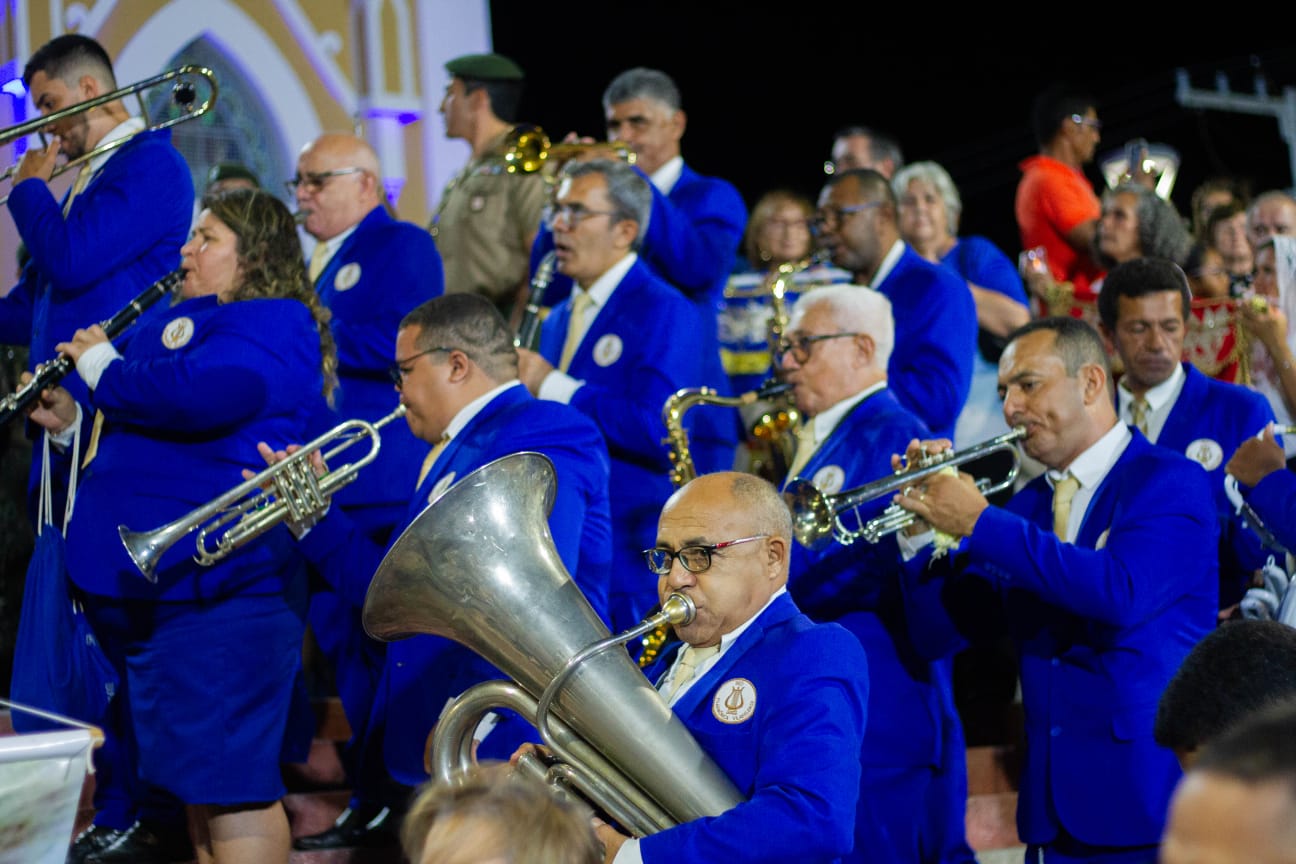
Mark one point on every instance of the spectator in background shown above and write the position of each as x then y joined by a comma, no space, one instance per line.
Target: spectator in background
863,147
1226,231
1269,324
1269,213
1214,192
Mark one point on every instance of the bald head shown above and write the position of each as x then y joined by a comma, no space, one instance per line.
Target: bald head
339,183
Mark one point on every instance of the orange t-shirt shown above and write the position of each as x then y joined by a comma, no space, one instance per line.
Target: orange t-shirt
1052,199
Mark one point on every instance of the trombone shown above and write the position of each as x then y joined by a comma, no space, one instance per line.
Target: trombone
183,94
817,517
287,491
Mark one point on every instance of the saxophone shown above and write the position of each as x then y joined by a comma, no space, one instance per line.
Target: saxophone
682,468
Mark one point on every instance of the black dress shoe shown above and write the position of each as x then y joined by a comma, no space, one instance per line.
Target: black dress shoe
142,844
362,827
94,839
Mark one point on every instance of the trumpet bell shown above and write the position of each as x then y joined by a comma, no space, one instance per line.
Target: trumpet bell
479,566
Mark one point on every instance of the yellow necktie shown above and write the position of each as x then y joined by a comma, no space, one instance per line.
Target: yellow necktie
319,259
805,447
78,186
580,301
690,659
1063,491
431,458
1138,413
93,447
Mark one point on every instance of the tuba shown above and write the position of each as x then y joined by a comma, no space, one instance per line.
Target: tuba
479,566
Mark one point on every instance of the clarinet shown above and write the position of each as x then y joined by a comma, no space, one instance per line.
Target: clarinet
53,372
528,335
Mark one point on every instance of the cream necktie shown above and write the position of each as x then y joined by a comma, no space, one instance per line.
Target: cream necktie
1063,491
1138,413
78,186
805,447
319,260
431,459
689,661
580,302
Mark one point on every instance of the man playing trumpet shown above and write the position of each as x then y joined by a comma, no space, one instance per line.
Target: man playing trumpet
1103,570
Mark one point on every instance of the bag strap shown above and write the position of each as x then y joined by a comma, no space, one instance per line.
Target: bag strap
72,475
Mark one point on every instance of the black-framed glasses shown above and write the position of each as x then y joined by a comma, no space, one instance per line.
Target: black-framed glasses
572,214
1092,122
801,346
314,180
695,559
831,217
401,368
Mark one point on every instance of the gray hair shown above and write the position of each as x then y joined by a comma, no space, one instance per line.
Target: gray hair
643,83
855,309
940,180
629,192
1161,230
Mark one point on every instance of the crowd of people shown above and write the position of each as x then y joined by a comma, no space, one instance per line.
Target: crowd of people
1143,360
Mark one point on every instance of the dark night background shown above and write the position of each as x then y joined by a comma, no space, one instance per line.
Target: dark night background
765,92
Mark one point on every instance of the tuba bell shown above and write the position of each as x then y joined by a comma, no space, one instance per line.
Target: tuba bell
479,566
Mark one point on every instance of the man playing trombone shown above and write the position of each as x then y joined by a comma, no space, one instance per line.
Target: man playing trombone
913,783
117,231
1103,570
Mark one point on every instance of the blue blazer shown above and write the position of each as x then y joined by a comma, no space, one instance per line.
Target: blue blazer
184,408
632,359
1209,421
913,723
380,272
1274,501
423,672
795,753
935,339
1100,626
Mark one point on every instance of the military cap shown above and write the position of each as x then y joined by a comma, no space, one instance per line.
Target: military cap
485,67
231,171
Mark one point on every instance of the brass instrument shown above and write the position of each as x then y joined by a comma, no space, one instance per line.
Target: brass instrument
528,335
1250,518
287,491
183,95
52,372
817,517
479,566
679,402
529,150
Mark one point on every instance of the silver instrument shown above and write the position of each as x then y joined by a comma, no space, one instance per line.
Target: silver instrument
287,491
817,518
479,566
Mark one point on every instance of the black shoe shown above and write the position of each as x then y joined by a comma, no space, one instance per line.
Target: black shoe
94,839
140,844
364,827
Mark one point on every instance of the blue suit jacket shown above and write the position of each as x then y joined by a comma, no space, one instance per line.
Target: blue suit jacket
1274,501
422,673
639,329
1100,626
196,389
380,272
1208,422
935,339
795,757
913,723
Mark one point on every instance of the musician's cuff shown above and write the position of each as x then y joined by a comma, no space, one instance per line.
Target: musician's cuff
559,387
910,546
63,439
94,360
629,853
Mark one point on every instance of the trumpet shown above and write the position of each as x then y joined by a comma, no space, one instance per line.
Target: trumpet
288,491
530,150
183,95
55,370
817,517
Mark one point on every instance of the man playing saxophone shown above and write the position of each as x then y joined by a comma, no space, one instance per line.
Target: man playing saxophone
913,782
777,700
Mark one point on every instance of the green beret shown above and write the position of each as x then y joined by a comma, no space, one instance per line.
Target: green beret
231,171
485,67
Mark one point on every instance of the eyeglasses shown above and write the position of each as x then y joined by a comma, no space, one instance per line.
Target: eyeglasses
401,368
314,180
572,214
788,224
1091,122
831,217
695,559
800,347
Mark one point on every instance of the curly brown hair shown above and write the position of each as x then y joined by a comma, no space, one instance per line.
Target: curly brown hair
270,261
